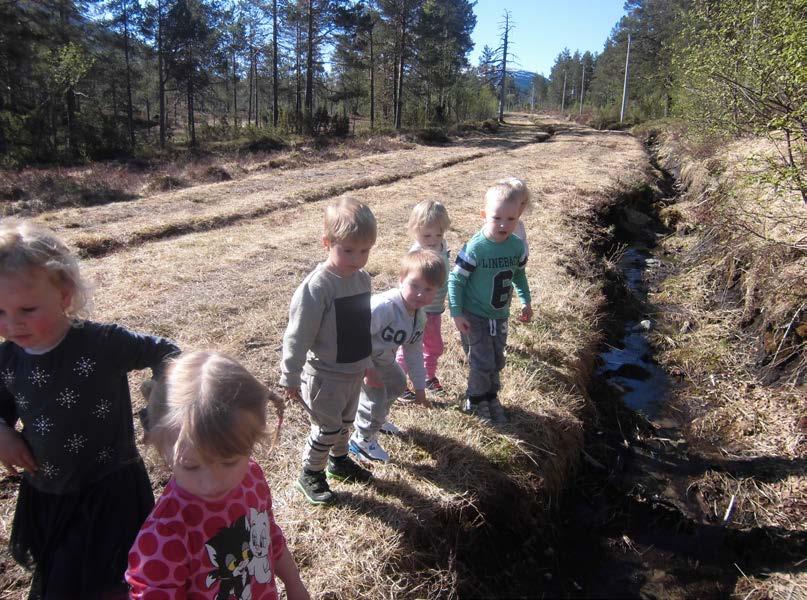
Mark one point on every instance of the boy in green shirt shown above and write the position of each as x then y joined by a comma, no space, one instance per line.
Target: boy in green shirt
487,268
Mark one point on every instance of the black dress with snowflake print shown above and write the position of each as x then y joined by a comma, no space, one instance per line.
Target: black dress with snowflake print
74,401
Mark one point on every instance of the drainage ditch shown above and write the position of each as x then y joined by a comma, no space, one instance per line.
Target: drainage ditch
630,525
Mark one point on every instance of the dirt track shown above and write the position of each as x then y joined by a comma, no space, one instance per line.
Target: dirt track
228,288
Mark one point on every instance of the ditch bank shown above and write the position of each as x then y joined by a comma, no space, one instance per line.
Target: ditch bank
634,523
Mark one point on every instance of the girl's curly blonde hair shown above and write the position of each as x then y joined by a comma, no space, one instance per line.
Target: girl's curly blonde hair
26,245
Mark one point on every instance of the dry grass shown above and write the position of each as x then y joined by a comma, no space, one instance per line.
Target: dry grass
775,586
453,485
732,318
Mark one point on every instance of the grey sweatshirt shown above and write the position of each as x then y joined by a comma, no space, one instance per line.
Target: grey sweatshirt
329,327
393,326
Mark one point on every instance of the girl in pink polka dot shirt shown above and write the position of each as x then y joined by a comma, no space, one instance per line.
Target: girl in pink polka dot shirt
212,534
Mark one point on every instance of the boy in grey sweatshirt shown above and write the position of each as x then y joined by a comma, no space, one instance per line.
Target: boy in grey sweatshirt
326,347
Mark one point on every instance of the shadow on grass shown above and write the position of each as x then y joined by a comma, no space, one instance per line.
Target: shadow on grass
488,522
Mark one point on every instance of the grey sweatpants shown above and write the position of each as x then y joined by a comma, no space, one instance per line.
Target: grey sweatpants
331,403
486,343
374,403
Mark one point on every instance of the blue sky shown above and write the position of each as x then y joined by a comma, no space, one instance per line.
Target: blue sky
544,27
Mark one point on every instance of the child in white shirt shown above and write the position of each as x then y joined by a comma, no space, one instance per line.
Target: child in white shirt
398,319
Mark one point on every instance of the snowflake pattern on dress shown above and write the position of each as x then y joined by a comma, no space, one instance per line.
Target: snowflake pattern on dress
42,425
22,402
48,470
75,443
67,398
102,409
104,455
38,377
8,378
84,366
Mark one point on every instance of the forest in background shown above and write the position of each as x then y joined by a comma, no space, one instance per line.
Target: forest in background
87,80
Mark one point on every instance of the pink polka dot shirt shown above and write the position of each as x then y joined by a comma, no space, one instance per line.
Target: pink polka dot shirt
191,549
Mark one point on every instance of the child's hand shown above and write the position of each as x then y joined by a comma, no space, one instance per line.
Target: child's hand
372,378
463,324
292,393
420,398
14,451
526,313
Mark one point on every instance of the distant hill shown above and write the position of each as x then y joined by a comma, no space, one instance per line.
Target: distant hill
523,79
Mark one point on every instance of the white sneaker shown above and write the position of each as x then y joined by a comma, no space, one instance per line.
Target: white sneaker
390,428
367,450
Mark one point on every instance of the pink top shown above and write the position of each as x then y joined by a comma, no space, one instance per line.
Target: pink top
191,549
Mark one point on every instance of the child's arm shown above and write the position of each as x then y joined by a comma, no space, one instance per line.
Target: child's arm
463,267
523,289
289,574
413,355
133,351
14,452
305,318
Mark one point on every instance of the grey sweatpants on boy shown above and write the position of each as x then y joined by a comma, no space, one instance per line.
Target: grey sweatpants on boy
374,403
486,342
331,403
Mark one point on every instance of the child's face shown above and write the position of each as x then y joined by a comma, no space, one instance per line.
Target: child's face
32,309
416,291
212,480
347,257
501,219
430,236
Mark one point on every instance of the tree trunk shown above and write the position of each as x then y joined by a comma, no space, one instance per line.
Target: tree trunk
372,82
235,94
399,107
69,95
191,123
503,80
160,75
298,82
257,90
129,116
274,64
309,69
395,88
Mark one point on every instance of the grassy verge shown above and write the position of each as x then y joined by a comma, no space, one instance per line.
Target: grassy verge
733,331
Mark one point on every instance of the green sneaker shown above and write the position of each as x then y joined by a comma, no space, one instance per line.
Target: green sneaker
315,487
344,469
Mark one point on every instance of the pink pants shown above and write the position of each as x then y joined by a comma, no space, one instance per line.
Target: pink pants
432,345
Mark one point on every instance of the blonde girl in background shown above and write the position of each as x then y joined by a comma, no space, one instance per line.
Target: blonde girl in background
84,491
523,193
428,224
212,533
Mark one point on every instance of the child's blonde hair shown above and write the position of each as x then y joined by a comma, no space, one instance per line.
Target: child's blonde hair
348,220
500,193
521,191
426,263
428,213
26,245
208,401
